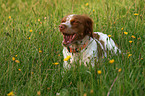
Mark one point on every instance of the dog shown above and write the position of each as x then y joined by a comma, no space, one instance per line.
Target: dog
81,43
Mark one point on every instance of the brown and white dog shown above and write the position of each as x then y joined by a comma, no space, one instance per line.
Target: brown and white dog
81,43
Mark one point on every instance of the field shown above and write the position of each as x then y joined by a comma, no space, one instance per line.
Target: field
31,50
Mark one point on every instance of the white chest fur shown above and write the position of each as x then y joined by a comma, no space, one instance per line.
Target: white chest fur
84,56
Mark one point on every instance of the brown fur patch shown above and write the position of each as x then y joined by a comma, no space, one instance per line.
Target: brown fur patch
96,36
116,44
102,42
99,48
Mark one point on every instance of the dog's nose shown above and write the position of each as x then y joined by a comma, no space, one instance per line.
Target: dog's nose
61,27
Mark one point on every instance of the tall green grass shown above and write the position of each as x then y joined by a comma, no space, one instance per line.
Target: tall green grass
37,51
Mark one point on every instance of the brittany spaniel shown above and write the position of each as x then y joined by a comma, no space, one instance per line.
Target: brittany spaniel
81,43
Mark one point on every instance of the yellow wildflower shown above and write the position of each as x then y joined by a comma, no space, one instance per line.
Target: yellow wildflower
67,58
13,58
19,69
109,35
40,51
129,55
17,61
85,94
56,63
99,72
9,17
10,94
32,73
119,70
133,36
38,93
38,19
130,41
136,14
93,10
125,33
29,38
91,91
30,30
16,55
87,4
121,28
111,61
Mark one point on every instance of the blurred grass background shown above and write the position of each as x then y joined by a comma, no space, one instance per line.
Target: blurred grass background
30,44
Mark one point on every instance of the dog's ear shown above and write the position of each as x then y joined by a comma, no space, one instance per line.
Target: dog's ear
88,26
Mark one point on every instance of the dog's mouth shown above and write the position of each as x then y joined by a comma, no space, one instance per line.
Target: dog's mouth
68,38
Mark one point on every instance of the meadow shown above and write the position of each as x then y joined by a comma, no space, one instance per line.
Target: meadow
31,59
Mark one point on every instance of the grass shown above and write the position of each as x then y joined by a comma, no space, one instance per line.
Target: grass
35,73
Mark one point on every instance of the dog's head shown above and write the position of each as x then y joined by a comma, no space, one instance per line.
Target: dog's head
75,27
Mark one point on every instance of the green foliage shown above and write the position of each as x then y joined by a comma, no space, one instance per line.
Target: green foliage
37,51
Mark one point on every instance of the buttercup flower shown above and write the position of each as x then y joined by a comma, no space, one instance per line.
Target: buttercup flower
121,28
109,35
17,61
10,94
30,30
125,33
91,91
9,17
19,69
67,58
93,10
136,14
119,70
85,94
133,36
16,55
111,61
13,58
38,93
130,41
129,55
99,72
87,4
40,51
56,63
29,38
32,73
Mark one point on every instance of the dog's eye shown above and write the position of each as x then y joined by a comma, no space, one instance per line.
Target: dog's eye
74,22
62,21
